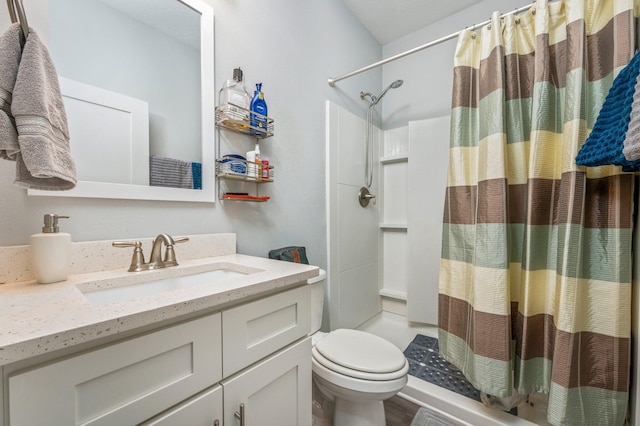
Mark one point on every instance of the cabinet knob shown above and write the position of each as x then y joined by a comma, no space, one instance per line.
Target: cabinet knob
240,414
216,422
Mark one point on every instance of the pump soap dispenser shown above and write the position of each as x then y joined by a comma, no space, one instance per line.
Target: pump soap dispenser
51,251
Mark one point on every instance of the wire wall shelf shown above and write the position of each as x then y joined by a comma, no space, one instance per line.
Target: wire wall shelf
238,119
245,171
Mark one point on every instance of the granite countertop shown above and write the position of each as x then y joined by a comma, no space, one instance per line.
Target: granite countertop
41,318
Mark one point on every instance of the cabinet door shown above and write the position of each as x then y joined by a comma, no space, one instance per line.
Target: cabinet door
276,391
201,410
121,384
255,330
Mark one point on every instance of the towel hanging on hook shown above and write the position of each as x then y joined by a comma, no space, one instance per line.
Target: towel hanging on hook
17,14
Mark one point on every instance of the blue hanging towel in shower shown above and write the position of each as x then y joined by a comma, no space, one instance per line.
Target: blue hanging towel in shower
605,143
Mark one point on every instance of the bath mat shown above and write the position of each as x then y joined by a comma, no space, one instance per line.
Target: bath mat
428,417
426,363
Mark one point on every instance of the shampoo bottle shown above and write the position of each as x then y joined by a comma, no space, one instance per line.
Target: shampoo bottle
50,252
258,104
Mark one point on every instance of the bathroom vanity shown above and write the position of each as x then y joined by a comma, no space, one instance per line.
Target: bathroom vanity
232,351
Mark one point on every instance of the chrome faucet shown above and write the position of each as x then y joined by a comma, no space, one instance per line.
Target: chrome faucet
155,261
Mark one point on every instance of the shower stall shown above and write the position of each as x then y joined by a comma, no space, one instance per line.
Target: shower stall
412,153
377,251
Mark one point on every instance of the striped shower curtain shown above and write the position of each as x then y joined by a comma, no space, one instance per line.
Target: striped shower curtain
535,276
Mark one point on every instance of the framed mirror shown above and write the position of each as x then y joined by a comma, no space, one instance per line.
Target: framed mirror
137,81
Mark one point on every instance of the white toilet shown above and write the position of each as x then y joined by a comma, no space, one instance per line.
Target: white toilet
354,369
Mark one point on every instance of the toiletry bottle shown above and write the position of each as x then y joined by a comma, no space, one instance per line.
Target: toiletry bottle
50,251
251,166
254,166
235,101
258,161
258,104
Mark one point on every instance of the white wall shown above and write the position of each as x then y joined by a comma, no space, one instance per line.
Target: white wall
427,178
352,229
428,74
290,46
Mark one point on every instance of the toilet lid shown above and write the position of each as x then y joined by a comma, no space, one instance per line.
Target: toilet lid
361,351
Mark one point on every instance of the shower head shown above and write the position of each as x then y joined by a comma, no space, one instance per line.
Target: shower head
376,99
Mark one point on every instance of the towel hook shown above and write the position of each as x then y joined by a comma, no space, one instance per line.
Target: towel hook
12,11
16,6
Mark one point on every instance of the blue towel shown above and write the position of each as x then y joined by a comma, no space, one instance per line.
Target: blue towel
605,143
196,171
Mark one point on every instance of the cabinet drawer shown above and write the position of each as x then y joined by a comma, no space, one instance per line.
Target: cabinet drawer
254,330
124,383
201,410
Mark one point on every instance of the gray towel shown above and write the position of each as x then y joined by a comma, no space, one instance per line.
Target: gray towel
170,172
44,158
631,148
10,53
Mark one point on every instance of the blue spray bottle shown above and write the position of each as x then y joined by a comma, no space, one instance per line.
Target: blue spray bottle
259,105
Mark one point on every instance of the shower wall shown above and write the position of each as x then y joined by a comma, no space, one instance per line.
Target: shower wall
413,177
352,285
378,257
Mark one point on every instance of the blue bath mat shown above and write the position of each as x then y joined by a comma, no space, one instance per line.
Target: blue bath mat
426,363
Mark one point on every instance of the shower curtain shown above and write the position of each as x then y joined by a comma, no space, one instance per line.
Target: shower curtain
535,275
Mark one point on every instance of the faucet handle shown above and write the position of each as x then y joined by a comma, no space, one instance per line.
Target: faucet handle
170,254
137,260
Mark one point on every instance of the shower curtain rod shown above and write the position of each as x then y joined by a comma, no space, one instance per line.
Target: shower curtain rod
334,80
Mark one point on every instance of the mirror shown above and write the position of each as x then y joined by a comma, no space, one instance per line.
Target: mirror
137,81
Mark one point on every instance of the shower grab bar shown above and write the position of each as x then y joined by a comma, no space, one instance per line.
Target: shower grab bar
333,80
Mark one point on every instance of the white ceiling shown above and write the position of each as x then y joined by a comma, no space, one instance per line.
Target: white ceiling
389,20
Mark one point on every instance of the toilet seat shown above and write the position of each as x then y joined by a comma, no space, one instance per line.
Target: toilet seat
360,355
362,375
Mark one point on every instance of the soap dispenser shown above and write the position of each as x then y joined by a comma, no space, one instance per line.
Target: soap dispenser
50,251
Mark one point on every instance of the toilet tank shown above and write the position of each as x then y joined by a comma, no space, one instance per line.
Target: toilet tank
317,299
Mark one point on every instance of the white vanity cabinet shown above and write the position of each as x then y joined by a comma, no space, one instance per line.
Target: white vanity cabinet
124,383
197,372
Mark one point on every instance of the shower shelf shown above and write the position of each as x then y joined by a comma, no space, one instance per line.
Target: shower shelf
393,226
238,171
225,170
394,159
393,294
238,121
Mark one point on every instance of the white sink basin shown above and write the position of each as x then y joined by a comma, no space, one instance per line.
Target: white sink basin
115,291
